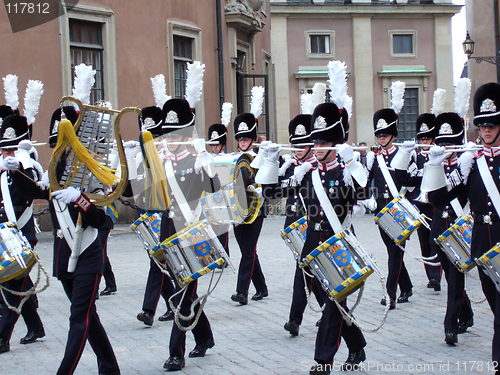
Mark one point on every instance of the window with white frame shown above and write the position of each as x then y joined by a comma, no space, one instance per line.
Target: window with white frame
408,115
403,43
183,53
320,43
88,36
86,47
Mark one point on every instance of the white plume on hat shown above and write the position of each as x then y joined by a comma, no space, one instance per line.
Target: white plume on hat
318,95
462,96
438,102
348,106
257,101
225,117
194,82
34,91
397,94
159,90
306,107
11,91
84,80
337,80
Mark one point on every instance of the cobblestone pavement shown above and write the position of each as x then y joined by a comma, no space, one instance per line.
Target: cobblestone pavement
251,339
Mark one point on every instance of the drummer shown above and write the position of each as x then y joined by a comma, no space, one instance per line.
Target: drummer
484,206
247,235
385,122
299,130
343,191
186,184
14,135
218,133
450,132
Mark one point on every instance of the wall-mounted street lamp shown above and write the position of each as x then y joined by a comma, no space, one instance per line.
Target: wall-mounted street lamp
468,45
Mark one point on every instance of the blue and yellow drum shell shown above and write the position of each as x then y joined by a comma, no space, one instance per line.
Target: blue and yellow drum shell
338,266
294,236
455,243
490,262
397,221
14,246
191,252
147,227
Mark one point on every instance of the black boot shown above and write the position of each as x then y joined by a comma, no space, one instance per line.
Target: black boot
353,360
292,327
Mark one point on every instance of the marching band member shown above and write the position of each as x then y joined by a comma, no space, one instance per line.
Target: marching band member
299,130
157,284
480,181
218,133
425,135
247,235
81,286
187,180
343,191
385,125
17,206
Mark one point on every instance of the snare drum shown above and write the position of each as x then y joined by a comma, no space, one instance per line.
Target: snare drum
294,236
16,254
233,203
191,252
338,264
147,227
455,243
490,261
398,219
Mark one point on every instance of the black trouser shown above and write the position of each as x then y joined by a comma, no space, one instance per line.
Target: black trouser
458,306
224,240
484,236
202,332
425,240
28,311
397,272
109,277
299,298
247,236
332,326
157,284
84,323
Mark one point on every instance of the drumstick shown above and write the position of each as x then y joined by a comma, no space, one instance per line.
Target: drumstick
416,144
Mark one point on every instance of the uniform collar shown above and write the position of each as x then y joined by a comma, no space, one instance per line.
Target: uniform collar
312,159
176,157
329,166
389,151
450,162
490,152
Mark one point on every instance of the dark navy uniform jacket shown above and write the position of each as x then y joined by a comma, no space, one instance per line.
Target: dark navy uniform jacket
21,200
91,259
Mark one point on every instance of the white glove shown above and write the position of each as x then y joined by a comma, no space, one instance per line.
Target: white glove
44,182
67,195
199,145
130,148
273,152
204,160
346,152
10,163
300,171
408,146
25,144
471,147
437,155
256,191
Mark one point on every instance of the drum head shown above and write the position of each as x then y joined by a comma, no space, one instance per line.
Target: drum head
248,203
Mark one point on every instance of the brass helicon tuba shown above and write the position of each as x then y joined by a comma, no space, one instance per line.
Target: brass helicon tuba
81,157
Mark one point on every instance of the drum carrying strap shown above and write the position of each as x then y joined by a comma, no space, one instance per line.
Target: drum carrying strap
189,215
9,207
387,176
326,205
489,183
